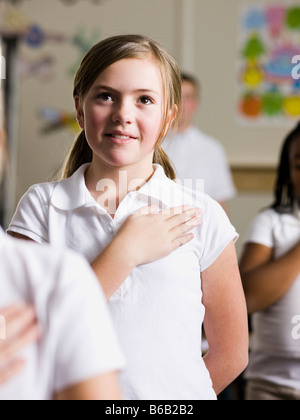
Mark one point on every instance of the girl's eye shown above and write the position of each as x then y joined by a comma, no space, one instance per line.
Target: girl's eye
145,100
106,97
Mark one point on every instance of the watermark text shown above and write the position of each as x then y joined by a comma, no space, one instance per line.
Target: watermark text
296,69
296,329
188,192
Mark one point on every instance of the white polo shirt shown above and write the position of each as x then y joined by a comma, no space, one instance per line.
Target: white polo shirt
275,350
197,156
78,342
158,311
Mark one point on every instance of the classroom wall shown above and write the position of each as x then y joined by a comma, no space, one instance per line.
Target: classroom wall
201,34
216,48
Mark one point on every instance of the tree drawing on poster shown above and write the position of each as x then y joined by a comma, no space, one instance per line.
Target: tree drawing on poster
269,52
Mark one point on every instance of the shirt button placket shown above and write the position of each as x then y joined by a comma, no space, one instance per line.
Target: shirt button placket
112,228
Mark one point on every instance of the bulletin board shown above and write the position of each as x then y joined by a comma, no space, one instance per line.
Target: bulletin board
268,74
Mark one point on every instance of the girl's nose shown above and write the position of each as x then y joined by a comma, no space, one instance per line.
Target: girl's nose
123,113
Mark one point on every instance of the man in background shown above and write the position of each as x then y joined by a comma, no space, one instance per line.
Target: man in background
195,155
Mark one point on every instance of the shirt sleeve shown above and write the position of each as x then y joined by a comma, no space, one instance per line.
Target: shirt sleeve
261,230
216,233
30,218
85,341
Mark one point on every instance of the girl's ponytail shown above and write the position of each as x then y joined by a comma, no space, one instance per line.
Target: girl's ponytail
80,154
161,158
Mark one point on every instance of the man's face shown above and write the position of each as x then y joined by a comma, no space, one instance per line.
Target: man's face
189,107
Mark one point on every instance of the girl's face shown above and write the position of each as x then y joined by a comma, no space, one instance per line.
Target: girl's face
295,166
122,114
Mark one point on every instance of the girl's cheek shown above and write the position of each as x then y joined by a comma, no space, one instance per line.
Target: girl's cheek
150,138
95,120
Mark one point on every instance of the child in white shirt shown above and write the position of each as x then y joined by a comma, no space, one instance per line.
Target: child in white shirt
127,94
271,275
77,355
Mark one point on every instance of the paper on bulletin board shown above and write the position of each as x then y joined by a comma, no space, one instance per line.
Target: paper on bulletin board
268,71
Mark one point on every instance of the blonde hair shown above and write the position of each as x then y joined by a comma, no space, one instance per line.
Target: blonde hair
103,55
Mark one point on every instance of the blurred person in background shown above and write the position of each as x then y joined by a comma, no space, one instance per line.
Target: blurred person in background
195,155
270,268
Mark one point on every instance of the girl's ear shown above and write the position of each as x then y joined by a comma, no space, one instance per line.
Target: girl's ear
79,112
171,118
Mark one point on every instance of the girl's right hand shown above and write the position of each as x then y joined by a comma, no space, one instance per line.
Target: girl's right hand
19,328
150,235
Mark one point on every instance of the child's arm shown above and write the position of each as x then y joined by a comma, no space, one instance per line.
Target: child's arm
145,237
104,387
266,280
226,322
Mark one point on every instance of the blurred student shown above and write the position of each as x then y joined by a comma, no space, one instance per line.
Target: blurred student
76,356
270,269
195,155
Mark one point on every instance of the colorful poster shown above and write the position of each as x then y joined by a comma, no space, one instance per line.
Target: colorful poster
268,73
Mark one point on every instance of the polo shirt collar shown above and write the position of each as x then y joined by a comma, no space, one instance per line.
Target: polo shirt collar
72,193
160,189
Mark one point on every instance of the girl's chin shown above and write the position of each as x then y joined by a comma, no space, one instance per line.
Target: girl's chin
124,158
118,160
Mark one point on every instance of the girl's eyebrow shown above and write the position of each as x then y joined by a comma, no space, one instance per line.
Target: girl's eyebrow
110,89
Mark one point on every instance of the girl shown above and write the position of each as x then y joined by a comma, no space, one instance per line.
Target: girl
270,269
127,94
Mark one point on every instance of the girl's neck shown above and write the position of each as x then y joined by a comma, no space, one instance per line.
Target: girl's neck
110,185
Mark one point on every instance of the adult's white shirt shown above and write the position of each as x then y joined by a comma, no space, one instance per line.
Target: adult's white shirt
78,342
158,311
275,348
197,156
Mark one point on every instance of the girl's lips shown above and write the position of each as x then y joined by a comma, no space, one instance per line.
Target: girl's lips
121,138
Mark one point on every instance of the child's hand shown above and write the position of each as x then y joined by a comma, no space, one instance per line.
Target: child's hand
19,326
149,235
